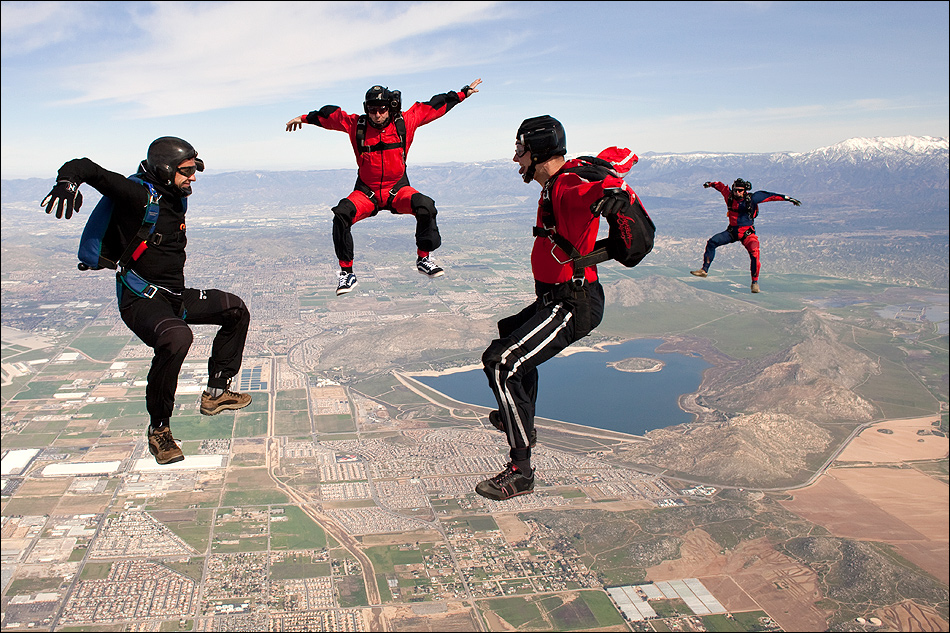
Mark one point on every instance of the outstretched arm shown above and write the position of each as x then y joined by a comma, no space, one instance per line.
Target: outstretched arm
718,186
426,112
66,198
767,196
329,117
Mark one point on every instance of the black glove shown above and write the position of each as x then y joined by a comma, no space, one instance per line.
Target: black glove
707,185
797,203
64,195
615,199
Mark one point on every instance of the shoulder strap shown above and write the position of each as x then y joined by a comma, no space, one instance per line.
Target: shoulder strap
591,169
137,245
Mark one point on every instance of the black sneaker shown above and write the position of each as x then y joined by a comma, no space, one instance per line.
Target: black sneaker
162,445
509,483
495,419
346,282
428,267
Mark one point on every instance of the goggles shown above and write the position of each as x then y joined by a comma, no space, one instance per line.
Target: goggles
520,149
190,170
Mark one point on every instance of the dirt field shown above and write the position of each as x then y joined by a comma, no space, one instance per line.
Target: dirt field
513,529
109,453
900,506
902,444
752,576
456,617
109,392
882,501
908,616
869,497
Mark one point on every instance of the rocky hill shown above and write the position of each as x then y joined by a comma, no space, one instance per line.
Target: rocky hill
754,450
758,421
813,379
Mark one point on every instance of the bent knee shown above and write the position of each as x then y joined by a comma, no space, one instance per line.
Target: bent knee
494,356
422,204
236,315
345,211
175,340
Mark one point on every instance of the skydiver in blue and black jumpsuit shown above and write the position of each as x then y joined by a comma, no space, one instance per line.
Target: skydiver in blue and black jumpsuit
742,207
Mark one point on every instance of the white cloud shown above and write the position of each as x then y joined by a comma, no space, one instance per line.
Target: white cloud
248,53
29,26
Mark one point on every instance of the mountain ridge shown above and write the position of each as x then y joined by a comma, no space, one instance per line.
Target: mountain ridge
863,183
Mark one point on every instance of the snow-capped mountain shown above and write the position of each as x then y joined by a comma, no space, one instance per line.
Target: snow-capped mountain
881,183
906,148
902,181
900,153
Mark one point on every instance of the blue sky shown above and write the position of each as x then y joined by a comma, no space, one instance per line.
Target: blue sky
103,79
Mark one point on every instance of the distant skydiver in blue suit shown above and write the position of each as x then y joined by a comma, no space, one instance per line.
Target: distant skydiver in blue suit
742,207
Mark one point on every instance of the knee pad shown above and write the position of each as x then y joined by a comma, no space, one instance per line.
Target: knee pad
176,340
234,316
422,204
345,211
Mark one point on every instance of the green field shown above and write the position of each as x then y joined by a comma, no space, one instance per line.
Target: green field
298,532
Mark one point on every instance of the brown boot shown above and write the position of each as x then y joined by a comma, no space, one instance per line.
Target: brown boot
755,286
162,445
699,273
227,400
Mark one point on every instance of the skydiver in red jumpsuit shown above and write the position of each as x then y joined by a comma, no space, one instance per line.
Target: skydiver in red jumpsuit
381,139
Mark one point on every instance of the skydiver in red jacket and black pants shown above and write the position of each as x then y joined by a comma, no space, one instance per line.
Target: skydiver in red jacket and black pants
742,207
381,138
569,303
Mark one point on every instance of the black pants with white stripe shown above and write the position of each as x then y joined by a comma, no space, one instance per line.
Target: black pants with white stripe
555,320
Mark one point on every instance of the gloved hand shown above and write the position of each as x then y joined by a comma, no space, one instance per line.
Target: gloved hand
707,185
65,195
797,203
615,199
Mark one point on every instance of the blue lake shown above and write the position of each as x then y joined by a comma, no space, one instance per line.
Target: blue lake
582,389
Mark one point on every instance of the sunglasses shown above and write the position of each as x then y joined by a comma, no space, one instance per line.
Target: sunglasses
377,109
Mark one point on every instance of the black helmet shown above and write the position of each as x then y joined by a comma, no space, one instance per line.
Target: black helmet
165,154
745,184
383,96
544,137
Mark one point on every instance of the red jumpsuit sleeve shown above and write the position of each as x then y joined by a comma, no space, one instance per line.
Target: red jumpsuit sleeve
422,112
723,189
332,117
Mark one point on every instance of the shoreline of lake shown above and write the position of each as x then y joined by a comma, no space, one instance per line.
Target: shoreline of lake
648,394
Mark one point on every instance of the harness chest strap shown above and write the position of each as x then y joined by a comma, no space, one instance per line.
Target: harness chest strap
138,245
361,124
580,262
